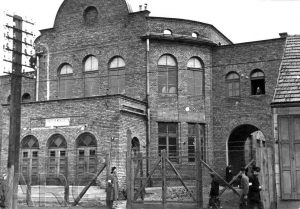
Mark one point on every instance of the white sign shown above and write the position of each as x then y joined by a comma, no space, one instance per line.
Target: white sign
52,122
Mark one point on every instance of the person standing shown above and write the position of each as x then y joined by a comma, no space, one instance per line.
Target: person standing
254,200
214,192
3,192
245,189
115,182
229,174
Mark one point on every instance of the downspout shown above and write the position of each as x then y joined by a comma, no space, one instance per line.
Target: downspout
37,78
148,105
47,71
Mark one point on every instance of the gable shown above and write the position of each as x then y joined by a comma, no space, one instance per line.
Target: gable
74,14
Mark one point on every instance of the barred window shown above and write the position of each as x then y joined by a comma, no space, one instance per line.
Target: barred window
117,76
233,84
168,140
167,75
195,76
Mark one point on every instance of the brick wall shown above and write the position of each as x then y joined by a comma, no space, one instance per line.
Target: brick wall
229,113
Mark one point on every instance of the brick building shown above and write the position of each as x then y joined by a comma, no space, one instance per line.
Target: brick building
104,71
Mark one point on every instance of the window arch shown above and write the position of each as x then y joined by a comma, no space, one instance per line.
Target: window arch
65,81
57,157
86,145
135,145
167,74
29,164
257,82
167,32
117,75
233,84
91,76
195,76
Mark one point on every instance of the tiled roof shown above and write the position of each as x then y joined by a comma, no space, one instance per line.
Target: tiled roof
288,85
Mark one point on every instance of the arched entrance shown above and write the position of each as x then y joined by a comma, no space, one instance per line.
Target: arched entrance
29,164
86,145
242,146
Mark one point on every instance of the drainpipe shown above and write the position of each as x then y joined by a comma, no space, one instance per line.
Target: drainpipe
37,79
47,71
148,106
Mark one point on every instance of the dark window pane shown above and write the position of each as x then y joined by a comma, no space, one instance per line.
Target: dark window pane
52,153
162,128
162,141
25,154
172,128
172,141
81,152
92,152
62,153
35,154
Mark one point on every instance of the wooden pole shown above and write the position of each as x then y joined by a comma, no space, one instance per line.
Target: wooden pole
199,185
15,115
164,183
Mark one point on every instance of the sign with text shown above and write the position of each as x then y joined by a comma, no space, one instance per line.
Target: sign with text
53,122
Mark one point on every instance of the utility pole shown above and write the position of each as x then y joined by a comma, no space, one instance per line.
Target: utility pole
15,102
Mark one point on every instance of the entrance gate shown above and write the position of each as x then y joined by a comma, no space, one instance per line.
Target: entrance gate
167,185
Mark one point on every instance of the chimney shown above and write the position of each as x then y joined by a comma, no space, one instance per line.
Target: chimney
141,7
283,35
146,6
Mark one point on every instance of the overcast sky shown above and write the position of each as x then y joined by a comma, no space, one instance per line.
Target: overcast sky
239,20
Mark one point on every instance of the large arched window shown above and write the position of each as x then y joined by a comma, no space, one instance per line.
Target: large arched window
257,82
65,81
29,164
91,76
117,76
233,84
167,75
57,157
86,158
195,77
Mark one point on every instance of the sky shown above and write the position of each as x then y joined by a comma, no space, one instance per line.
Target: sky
238,20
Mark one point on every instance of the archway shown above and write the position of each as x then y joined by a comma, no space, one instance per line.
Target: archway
241,146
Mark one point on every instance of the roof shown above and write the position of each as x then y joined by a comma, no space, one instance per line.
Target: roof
288,84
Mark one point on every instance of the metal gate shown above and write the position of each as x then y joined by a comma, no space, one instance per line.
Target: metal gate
169,183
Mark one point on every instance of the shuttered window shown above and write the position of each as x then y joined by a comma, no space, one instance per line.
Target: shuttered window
289,144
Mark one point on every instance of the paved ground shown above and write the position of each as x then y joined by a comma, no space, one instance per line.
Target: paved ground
95,199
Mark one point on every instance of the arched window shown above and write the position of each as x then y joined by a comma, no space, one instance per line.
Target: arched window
86,158
91,76
167,32
257,82
233,84
135,145
26,97
167,75
65,81
29,164
57,157
195,76
90,15
117,76
91,64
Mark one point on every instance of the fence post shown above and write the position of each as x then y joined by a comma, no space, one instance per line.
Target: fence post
129,174
199,182
163,171
28,195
